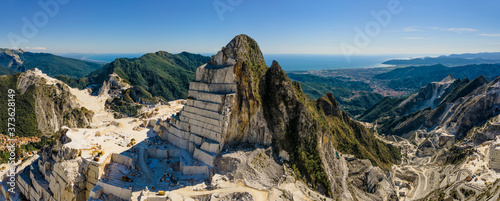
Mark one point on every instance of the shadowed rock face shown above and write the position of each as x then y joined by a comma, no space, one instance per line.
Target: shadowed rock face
329,105
241,49
270,109
10,58
428,96
55,106
465,105
246,123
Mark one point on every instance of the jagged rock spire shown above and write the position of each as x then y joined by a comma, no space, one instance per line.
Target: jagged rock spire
448,78
241,48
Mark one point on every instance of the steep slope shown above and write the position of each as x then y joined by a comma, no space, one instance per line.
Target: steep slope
55,106
270,109
52,65
416,77
149,79
313,132
159,74
430,96
478,101
25,109
354,97
43,104
6,71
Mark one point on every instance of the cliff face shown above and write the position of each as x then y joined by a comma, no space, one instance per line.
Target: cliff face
269,109
245,59
55,106
59,173
10,58
467,105
428,96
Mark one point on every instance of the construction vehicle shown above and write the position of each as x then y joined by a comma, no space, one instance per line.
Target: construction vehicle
96,154
161,192
131,143
127,179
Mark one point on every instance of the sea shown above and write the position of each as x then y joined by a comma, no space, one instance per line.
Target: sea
288,62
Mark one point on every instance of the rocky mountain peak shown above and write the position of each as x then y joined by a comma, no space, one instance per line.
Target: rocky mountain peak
276,69
328,104
11,51
31,77
448,78
481,79
10,57
241,48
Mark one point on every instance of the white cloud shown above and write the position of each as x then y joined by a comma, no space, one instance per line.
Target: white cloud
491,35
459,30
424,29
413,38
35,48
411,29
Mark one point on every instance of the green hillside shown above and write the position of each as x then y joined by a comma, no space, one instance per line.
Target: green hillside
160,74
26,122
416,77
6,71
50,64
306,121
353,96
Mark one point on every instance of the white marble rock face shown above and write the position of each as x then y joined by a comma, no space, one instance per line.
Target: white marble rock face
494,162
200,126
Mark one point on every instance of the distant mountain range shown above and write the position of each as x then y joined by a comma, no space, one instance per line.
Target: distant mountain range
451,60
454,105
52,65
6,71
415,77
356,90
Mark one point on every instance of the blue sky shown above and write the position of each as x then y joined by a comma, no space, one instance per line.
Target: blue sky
279,26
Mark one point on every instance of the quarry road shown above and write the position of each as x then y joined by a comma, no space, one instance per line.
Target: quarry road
144,166
257,195
421,183
461,172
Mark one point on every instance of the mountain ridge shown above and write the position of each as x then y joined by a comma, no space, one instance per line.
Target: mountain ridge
52,65
269,106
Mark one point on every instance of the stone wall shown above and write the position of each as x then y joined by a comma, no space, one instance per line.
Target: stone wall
119,190
122,159
48,180
5,193
200,125
194,169
494,162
